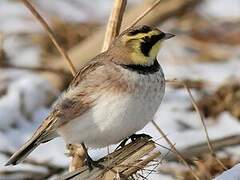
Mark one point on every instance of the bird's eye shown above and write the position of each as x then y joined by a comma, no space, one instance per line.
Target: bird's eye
145,29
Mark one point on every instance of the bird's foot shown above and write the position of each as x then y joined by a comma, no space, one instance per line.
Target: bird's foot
122,144
133,138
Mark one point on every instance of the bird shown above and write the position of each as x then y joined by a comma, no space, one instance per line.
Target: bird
111,97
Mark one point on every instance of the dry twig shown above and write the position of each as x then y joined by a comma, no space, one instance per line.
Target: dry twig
201,118
174,150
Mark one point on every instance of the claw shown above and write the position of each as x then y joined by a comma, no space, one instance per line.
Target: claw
133,138
122,144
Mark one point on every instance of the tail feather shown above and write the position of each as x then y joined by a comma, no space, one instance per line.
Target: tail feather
29,146
23,152
45,132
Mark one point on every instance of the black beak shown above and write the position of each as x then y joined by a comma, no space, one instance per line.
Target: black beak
168,35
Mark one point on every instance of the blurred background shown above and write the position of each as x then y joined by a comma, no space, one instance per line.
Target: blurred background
205,54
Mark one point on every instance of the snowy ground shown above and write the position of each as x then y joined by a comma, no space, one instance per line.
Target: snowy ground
25,103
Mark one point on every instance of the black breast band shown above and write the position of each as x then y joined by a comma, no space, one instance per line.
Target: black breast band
141,69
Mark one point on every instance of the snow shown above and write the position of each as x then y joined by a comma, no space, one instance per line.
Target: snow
231,174
26,94
38,94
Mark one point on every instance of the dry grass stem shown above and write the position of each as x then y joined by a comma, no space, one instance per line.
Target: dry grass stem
114,23
174,150
210,146
51,35
155,4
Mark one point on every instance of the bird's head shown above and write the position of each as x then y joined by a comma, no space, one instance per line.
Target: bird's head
140,45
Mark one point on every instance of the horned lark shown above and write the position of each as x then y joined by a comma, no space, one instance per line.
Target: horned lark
114,95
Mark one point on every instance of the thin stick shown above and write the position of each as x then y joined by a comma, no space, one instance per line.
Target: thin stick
155,4
210,146
51,35
176,152
114,23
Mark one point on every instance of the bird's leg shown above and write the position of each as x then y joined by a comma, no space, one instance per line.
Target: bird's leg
90,162
133,138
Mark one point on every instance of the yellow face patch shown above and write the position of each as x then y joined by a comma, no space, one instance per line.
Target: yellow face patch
134,43
154,51
139,58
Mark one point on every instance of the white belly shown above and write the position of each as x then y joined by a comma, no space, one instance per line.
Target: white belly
114,117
